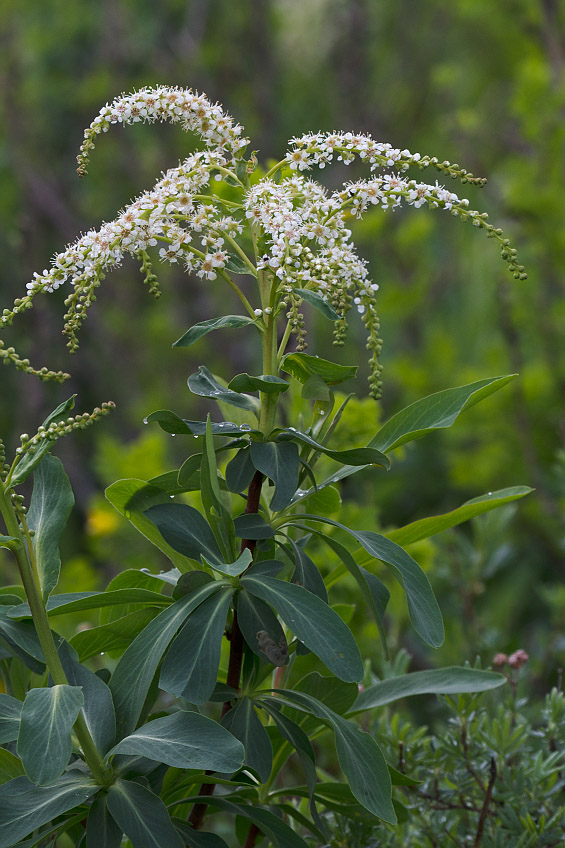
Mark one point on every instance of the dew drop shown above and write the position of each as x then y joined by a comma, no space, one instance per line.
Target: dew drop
245,427
173,435
171,496
145,421
490,493
195,437
101,653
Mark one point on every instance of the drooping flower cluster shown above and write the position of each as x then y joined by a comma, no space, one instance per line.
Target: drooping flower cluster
284,228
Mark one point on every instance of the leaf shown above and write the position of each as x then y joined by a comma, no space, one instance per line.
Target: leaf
10,766
316,389
317,301
267,383
218,516
306,572
237,265
98,710
426,527
313,622
51,503
24,807
34,455
279,462
10,712
44,740
101,829
189,582
359,756
185,740
302,365
198,838
131,498
261,629
136,668
334,693
434,412
190,669
131,578
240,471
441,681
203,327
268,823
355,456
79,601
22,640
251,525
185,530
204,384
245,725
7,542
422,605
142,816
240,565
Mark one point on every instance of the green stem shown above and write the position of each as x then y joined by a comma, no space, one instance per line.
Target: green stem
44,634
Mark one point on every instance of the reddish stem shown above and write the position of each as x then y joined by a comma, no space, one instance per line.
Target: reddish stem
252,836
196,817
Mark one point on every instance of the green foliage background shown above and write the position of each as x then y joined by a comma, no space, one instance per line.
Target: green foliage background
472,81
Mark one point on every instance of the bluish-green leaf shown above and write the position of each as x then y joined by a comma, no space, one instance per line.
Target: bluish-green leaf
302,365
234,568
10,713
440,681
317,301
101,829
261,629
185,530
98,710
203,327
190,669
252,525
34,455
245,725
279,462
79,601
44,740
359,756
136,668
354,456
267,383
142,816
240,471
434,412
219,518
10,766
268,823
22,639
313,622
51,503
131,498
204,384
306,572
185,740
24,807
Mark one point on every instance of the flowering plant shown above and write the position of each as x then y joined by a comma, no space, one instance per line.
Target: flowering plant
234,658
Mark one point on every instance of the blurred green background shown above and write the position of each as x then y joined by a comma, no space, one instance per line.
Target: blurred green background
471,81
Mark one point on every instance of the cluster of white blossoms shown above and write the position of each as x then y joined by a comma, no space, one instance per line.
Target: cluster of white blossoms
299,227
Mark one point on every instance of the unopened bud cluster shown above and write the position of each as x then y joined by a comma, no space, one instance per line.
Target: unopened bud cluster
297,226
56,430
9,355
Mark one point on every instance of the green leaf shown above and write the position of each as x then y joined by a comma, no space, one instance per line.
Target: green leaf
359,756
317,301
218,516
136,668
268,823
355,456
185,740
232,568
203,327
101,829
142,816
441,681
267,383
8,542
22,639
313,622
245,725
204,384
334,693
261,629
426,527
316,389
79,601
190,669
98,710
34,455
306,572
302,365
422,605
251,525
10,766
24,807
51,503
131,578
240,471
189,582
44,740
131,498
10,713
185,530
279,462
434,412
198,838
235,264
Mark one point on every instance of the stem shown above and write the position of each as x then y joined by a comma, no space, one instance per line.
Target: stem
45,636
252,836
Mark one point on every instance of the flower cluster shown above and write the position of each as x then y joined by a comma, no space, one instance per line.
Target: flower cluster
192,110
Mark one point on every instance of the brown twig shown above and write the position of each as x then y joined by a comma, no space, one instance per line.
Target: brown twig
196,817
486,802
252,836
